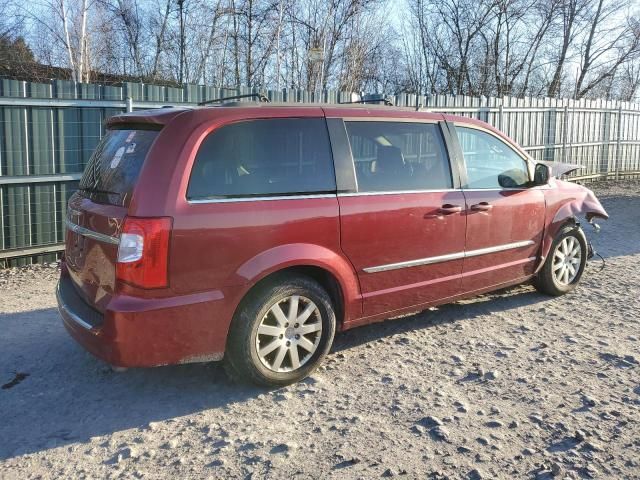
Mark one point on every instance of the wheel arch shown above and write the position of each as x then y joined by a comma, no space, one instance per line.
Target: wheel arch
563,217
331,270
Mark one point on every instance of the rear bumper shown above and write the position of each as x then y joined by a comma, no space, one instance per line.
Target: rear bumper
136,332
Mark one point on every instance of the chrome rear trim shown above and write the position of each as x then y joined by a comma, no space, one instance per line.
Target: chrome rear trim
85,232
448,257
67,310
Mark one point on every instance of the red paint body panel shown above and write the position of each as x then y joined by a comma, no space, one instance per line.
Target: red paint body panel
566,202
241,243
157,116
515,215
140,332
387,229
91,263
219,251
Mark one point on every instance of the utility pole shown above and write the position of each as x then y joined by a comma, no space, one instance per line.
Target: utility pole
181,10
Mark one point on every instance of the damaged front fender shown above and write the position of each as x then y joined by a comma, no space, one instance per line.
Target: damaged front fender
578,201
566,203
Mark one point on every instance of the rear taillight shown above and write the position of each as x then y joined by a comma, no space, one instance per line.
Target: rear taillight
143,253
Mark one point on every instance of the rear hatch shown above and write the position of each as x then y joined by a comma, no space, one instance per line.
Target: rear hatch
97,210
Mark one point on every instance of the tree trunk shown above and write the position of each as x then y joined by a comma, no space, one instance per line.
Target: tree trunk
65,27
83,39
160,40
569,19
586,59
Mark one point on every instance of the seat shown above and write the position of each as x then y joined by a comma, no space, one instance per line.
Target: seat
390,171
389,161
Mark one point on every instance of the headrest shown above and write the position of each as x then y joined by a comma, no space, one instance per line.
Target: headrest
512,178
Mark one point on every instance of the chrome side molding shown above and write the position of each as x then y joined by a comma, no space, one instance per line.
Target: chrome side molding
448,257
498,248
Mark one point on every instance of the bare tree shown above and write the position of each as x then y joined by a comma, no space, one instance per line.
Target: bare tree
584,48
571,12
66,22
607,46
629,82
158,26
126,14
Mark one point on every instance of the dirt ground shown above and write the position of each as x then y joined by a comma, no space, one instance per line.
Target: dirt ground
508,385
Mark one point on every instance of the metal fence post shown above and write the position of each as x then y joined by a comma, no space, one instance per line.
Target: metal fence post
565,129
618,159
551,115
129,104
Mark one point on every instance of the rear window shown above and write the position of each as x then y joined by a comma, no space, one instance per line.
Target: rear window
114,167
283,156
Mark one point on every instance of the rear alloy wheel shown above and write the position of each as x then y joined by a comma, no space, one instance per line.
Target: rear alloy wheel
281,332
287,342
565,264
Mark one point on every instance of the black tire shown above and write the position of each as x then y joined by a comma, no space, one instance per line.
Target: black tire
242,361
545,281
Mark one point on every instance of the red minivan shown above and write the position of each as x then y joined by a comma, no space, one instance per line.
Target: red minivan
252,232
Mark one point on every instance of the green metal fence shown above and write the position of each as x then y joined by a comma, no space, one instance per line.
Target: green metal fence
48,132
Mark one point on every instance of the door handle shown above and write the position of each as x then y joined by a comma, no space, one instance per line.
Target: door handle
482,207
448,209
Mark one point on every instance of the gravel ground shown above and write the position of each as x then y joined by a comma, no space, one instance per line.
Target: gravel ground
507,385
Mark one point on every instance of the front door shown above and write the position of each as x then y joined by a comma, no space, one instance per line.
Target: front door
404,228
505,218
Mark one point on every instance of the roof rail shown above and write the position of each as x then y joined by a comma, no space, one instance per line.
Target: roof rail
385,100
261,97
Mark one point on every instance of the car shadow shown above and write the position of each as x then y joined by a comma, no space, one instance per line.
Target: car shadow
57,394
64,395
459,312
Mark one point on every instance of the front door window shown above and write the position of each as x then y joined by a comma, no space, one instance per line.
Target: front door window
491,163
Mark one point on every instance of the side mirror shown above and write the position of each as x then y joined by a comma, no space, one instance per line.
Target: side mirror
541,174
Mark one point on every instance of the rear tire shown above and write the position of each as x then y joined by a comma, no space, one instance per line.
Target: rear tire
280,333
565,263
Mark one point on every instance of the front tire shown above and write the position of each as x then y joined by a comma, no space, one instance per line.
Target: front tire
281,332
565,263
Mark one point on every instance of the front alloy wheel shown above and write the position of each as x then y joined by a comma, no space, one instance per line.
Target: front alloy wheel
567,258
565,264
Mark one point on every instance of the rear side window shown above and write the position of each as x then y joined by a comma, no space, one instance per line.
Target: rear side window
283,156
114,167
397,156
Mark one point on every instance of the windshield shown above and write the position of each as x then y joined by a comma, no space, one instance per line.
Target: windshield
113,169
